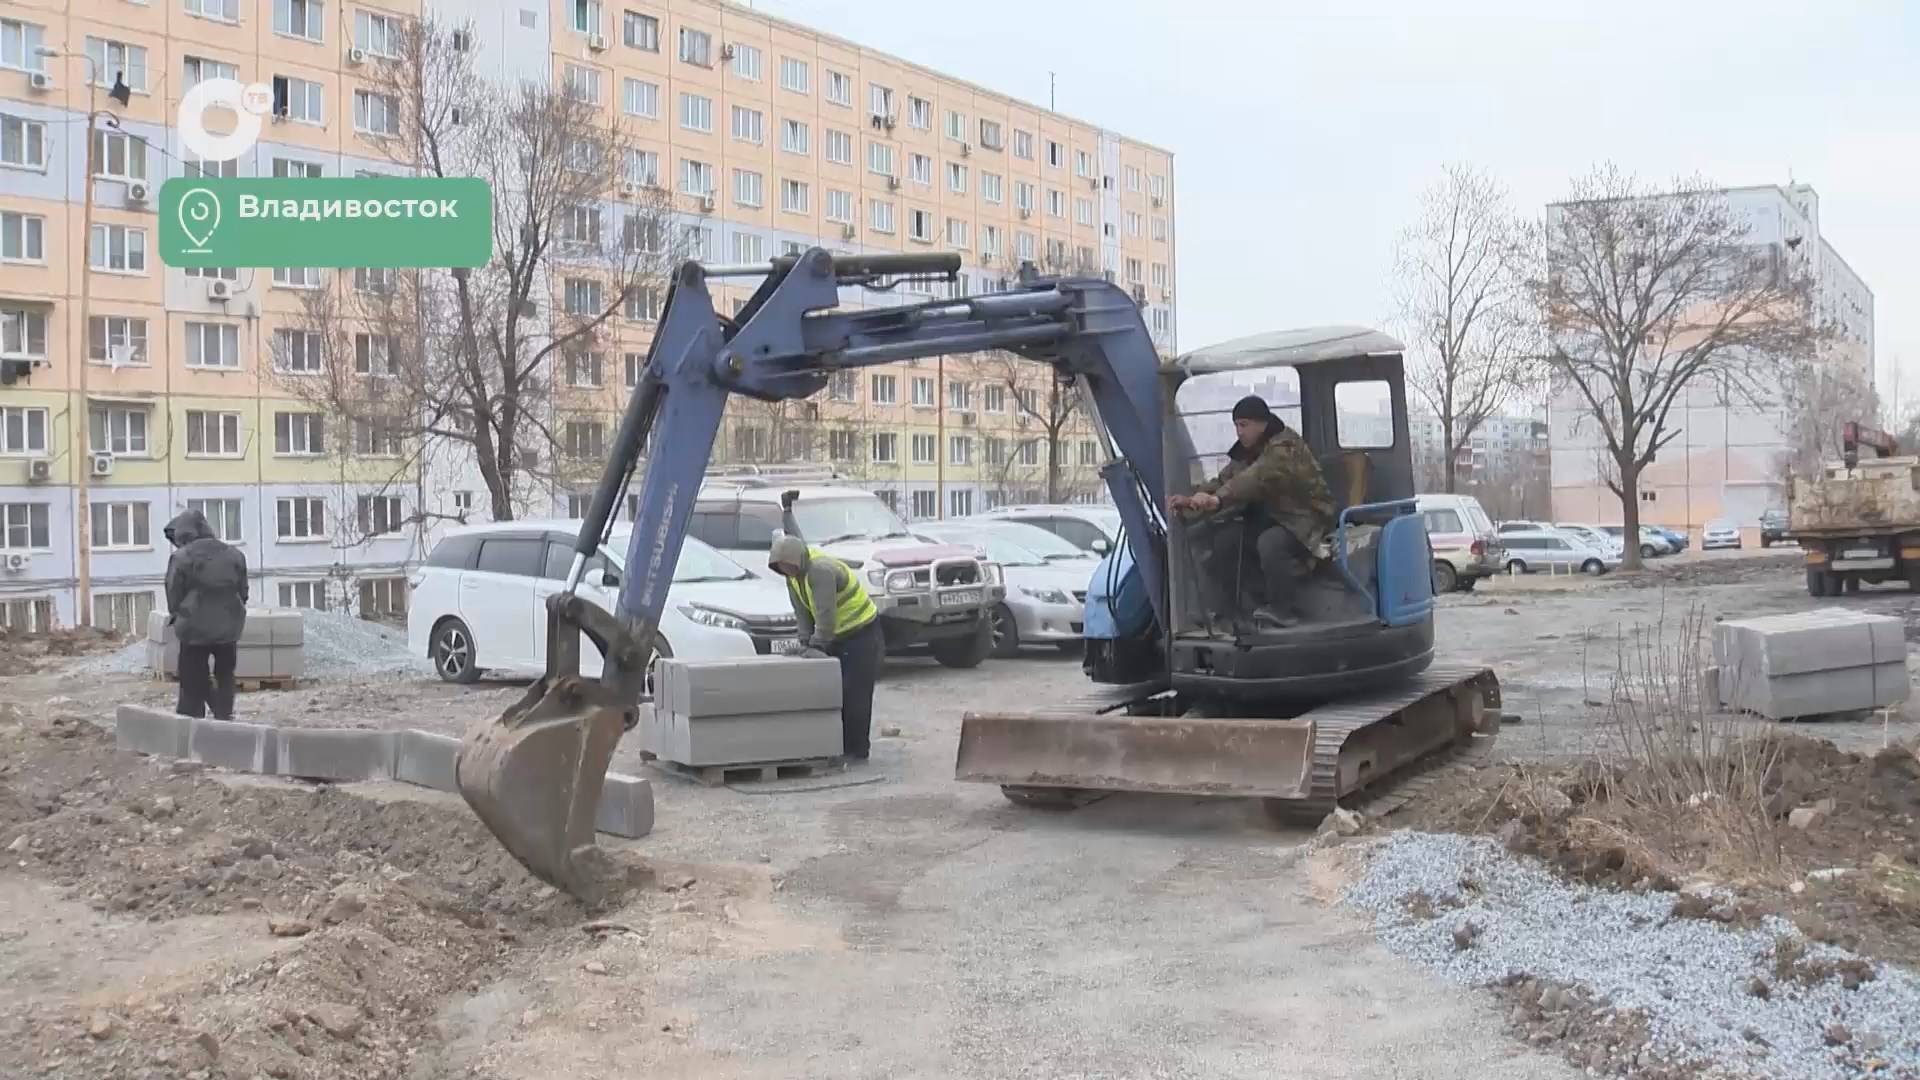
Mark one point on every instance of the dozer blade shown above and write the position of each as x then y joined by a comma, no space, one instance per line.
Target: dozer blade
1117,752
534,777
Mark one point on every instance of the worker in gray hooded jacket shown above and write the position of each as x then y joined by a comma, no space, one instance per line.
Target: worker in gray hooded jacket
207,608
837,618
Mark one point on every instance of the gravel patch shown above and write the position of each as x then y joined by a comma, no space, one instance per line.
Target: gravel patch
1693,978
335,644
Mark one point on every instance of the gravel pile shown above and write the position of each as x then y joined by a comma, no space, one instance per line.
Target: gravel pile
1695,979
336,644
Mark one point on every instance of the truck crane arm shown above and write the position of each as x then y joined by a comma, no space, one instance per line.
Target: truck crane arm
534,775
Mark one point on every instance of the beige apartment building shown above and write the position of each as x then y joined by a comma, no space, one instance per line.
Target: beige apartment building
772,137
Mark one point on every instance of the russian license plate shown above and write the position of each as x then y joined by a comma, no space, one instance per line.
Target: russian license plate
1862,553
787,646
961,598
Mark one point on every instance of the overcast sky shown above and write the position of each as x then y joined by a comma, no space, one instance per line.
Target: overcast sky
1303,138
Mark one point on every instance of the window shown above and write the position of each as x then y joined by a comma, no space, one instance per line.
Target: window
919,113
213,434
23,527
990,241
379,114
843,385
922,392
746,62
1028,452
843,445
839,148
378,34
747,124
376,355
379,280
299,18
122,612
117,59
839,206
111,339
885,390
213,345
20,44
1157,187
956,232
300,518
23,143
990,134
586,440
194,166
886,447
1089,452
641,168
748,248
750,443
639,31
1133,223
1160,229
223,515
879,101
640,98
699,241
581,83
920,168
990,187
956,178
1162,321
1133,270
839,88
23,431
880,215
923,448
580,225
635,363
959,450
696,112
1083,211
1131,177
379,514
23,333
793,75
22,237
27,614
993,398
1056,203
956,125
696,47
118,249
880,158
926,504
1082,163
463,502
296,277
223,10
993,450
1023,195
120,525
1160,275
746,187
304,170
117,429
299,99
1056,154
1023,144
641,303
311,595
793,196
1023,246
793,136
960,502
583,297
960,396
299,434
383,598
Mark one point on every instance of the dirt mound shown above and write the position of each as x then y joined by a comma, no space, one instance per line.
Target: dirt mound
1724,570
24,654
1836,848
383,909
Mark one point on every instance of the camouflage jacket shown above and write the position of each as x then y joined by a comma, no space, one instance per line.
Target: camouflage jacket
1278,480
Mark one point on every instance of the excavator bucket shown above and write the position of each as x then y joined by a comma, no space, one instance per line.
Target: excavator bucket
1117,752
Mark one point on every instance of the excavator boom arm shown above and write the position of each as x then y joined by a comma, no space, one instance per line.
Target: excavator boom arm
534,775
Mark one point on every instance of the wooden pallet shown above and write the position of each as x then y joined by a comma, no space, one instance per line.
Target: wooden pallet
718,775
248,684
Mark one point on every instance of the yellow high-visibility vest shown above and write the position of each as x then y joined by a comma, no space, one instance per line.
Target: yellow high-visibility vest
852,607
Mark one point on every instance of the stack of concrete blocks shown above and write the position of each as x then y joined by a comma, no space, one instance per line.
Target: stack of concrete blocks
1813,663
344,755
272,645
746,711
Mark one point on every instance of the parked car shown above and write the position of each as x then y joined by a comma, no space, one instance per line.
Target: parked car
1522,526
1652,544
1551,549
479,601
1592,535
1720,533
938,597
1677,537
1090,528
1773,527
1465,546
1046,599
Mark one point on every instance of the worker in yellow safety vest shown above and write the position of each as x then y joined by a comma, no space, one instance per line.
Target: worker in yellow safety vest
837,618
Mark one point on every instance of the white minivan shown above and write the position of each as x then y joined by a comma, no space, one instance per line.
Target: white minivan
1465,546
480,601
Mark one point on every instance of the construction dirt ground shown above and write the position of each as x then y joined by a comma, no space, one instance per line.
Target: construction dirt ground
159,919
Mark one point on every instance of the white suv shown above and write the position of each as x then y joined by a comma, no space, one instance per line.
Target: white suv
1088,527
480,601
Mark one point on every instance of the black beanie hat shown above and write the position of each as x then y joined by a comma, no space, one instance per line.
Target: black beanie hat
1252,407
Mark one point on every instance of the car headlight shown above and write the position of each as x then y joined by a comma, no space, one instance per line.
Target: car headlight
1048,596
991,572
877,578
900,581
707,616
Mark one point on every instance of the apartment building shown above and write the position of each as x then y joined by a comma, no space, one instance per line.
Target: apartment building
1727,460
772,136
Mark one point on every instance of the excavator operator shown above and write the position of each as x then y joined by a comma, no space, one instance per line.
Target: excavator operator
1285,510
837,618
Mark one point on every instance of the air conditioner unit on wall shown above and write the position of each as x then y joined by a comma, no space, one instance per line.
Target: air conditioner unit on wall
17,562
40,81
138,192
39,471
597,42
101,464
219,289
356,56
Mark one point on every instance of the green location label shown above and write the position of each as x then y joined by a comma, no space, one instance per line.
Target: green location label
398,221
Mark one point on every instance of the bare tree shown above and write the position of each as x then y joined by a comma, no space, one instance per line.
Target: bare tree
1462,294
1051,409
1821,396
1649,294
583,238
1514,485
